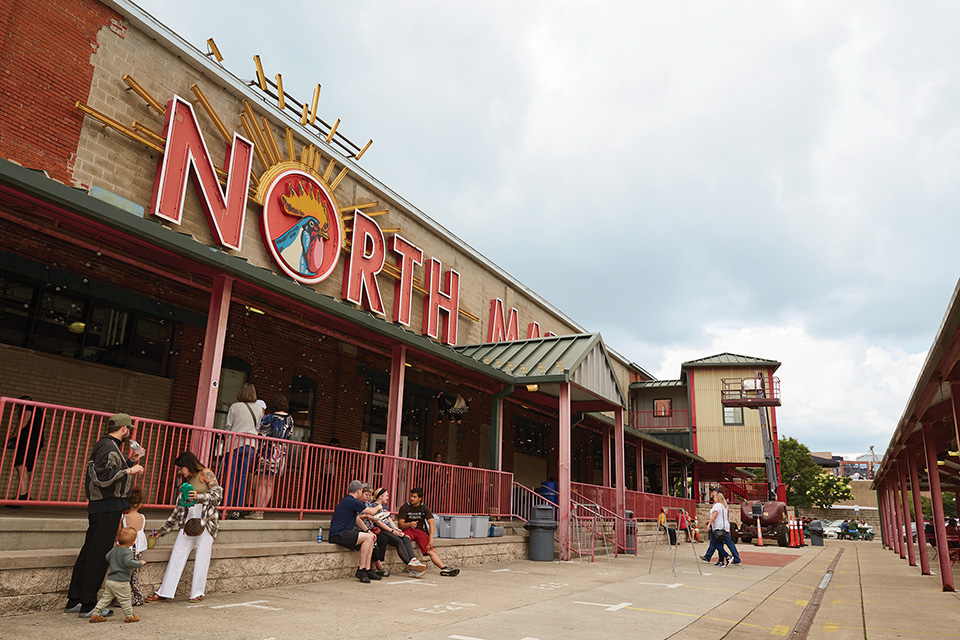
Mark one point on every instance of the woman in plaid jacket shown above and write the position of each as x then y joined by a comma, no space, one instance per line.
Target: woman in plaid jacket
196,515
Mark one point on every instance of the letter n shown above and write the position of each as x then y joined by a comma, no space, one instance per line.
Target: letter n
186,155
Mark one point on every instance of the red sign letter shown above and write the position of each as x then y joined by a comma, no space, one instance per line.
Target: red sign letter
367,253
403,290
533,330
498,329
437,300
186,149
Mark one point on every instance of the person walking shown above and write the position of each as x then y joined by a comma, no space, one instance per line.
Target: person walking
271,456
108,480
196,515
243,417
719,527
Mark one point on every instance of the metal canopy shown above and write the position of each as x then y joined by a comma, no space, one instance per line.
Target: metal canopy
579,359
731,359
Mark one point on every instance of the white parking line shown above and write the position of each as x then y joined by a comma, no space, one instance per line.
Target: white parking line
607,607
255,604
663,584
420,582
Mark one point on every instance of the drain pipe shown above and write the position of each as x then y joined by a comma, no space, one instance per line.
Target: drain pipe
496,426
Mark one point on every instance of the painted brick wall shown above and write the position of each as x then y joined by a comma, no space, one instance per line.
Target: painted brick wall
44,70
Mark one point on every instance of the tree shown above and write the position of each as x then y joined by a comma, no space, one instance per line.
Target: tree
798,471
827,489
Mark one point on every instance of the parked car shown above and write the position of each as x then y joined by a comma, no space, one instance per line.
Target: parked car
832,529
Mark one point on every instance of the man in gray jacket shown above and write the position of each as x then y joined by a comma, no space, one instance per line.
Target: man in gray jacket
108,480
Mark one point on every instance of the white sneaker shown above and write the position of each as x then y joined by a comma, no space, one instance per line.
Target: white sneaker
416,563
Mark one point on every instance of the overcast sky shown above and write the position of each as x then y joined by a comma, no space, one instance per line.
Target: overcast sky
775,179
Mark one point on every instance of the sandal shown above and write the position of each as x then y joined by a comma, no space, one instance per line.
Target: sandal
156,598
197,599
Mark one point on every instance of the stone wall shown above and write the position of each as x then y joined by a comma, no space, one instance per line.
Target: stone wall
32,582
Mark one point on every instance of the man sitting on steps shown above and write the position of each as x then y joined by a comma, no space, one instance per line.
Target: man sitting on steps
416,520
342,530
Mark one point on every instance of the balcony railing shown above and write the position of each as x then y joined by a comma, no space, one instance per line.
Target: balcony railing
758,391
673,419
738,491
313,477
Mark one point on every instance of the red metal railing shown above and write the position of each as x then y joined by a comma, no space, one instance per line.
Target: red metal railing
674,419
745,491
313,479
645,506
523,499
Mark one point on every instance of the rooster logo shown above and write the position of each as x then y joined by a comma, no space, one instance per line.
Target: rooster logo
312,230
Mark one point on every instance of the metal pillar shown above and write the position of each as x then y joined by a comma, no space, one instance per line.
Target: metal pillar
563,464
640,483
394,417
496,428
936,497
884,518
918,511
621,478
210,364
605,481
907,533
898,515
664,473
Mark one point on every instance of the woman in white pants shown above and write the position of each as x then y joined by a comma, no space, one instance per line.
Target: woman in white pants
196,515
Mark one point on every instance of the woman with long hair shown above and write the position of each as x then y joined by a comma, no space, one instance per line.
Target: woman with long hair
196,515
243,417
719,527
390,534
271,456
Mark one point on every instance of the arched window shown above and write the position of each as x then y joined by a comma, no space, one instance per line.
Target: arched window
303,400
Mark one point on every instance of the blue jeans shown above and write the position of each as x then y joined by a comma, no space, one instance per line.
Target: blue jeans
237,484
717,545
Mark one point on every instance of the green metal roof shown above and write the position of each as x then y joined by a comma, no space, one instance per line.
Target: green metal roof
731,360
580,359
657,384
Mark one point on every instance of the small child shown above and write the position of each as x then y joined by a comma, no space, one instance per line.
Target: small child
118,580
135,520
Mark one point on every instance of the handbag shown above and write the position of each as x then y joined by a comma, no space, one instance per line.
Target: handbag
193,527
719,535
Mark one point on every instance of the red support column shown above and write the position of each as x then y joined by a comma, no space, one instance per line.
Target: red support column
918,512
210,364
606,457
936,497
664,473
884,514
908,533
398,366
640,484
897,516
563,455
621,476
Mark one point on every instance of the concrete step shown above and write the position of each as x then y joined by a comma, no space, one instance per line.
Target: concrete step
51,532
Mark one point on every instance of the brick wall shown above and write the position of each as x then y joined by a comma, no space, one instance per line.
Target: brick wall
44,70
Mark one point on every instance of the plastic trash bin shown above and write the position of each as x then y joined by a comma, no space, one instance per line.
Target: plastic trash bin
541,527
816,533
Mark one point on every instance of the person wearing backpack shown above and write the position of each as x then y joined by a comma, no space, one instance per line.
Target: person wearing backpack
243,419
271,456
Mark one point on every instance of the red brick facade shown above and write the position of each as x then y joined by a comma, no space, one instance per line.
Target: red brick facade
45,49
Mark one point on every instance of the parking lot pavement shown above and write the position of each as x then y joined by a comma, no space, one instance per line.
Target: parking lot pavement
764,597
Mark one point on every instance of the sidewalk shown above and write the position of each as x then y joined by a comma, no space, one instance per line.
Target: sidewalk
870,594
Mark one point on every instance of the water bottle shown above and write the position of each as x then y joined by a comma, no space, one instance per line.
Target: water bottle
135,446
319,535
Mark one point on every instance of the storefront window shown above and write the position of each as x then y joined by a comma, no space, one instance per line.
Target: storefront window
72,325
530,438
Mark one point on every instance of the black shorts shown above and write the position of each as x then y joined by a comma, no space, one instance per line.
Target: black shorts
347,539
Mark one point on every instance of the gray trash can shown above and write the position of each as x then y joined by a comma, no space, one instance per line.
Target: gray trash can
631,531
816,533
541,527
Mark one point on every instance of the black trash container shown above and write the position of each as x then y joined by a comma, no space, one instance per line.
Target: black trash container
541,527
816,533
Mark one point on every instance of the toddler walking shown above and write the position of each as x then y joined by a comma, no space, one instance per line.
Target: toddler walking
135,520
118,580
